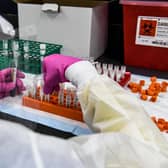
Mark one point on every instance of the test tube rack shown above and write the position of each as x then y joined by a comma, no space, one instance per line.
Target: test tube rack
31,63
52,106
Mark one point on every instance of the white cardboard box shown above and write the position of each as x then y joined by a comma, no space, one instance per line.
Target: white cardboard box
83,31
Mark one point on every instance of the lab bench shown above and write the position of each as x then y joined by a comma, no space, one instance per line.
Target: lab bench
36,127
13,110
13,107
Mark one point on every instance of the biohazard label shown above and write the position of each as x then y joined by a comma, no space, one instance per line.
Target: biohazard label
152,31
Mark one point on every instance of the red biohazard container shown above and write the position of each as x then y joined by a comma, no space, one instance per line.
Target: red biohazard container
146,34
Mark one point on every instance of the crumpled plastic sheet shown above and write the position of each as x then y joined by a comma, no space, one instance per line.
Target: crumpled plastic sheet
20,147
107,107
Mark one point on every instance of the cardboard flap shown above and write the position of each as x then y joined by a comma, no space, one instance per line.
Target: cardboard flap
76,3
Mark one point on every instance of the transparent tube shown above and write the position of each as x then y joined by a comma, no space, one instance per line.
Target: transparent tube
15,45
42,54
13,67
61,94
5,47
123,70
68,98
26,47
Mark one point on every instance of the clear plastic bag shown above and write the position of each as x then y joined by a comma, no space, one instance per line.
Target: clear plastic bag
107,107
20,147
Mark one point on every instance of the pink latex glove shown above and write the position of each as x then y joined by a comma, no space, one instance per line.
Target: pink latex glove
54,67
6,84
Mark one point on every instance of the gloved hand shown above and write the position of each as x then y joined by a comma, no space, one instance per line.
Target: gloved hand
54,67
6,29
6,83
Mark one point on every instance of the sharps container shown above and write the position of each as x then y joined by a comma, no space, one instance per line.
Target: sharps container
145,30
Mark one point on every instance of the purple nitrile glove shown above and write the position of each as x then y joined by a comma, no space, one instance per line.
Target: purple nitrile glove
6,83
54,67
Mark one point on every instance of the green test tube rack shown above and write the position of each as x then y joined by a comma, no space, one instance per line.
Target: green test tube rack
28,61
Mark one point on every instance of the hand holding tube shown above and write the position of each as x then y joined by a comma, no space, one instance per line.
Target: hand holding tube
7,84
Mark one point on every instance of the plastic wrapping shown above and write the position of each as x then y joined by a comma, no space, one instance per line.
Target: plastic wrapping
29,149
107,107
133,140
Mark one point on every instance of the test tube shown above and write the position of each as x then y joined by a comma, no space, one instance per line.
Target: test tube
28,91
26,47
118,75
99,70
75,98
26,50
116,68
13,75
42,49
16,56
112,74
5,44
31,92
26,61
110,67
34,80
47,97
61,94
105,72
123,70
104,66
68,98
41,62
41,90
15,46
42,54
5,47
98,64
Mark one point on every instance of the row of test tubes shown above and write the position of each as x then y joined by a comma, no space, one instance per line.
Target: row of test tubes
115,72
15,46
35,90
66,97
25,59
28,57
7,51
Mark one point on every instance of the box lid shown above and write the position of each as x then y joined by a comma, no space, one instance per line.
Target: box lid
76,3
162,3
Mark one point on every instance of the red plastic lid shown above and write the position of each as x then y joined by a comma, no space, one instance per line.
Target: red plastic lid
145,3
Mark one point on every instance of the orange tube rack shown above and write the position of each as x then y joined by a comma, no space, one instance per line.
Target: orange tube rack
52,106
